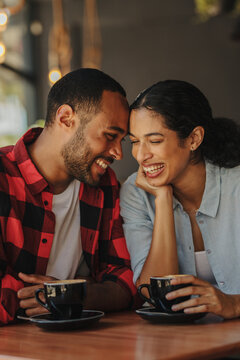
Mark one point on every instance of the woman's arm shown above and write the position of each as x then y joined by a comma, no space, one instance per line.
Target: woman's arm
162,257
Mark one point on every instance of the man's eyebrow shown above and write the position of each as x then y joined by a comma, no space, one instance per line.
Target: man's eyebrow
149,134
116,128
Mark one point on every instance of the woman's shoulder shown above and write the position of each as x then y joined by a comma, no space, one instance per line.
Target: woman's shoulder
230,178
129,185
130,191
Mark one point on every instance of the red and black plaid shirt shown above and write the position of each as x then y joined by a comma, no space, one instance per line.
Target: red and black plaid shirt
27,226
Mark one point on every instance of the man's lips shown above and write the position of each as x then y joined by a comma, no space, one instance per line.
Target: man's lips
103,163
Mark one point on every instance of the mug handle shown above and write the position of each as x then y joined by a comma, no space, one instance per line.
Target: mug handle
37,292
149,300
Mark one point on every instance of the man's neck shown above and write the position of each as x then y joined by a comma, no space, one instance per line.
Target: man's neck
47,158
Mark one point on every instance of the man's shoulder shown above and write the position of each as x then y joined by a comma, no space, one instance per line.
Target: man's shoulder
6,158
6,150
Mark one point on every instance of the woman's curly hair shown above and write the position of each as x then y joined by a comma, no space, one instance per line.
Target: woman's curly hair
184,107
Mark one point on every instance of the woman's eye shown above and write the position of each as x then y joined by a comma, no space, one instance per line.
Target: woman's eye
155,141
134,142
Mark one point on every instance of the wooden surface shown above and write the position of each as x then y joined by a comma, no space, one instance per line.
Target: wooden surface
123,336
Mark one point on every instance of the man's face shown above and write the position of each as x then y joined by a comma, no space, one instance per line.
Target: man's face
95,146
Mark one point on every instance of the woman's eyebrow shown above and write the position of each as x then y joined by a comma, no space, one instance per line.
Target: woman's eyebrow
148,134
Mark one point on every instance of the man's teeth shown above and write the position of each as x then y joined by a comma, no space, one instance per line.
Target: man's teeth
152,169
102,164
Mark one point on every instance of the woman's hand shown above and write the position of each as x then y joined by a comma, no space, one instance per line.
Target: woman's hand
141,182
209,298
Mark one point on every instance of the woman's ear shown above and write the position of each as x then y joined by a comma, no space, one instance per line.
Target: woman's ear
65,116
196,137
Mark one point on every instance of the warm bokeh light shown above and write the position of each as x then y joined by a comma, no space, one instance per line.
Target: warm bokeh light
36,28
54,75
3,18
2,49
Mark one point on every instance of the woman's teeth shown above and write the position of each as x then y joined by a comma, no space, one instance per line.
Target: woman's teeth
102,164
152,169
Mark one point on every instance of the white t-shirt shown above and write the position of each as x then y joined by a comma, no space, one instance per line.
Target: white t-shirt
66,249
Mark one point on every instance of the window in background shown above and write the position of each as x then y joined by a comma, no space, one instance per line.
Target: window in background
17,90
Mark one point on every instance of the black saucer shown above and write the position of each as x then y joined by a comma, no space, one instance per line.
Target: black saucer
48,322
153,315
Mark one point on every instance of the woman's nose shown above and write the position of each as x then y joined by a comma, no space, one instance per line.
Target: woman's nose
142,153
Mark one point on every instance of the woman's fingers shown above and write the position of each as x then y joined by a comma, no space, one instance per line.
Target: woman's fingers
190,290
188,279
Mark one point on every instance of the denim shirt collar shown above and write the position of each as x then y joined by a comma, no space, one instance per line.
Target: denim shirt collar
211,196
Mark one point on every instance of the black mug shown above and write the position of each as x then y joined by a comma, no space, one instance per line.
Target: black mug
64,298
158,288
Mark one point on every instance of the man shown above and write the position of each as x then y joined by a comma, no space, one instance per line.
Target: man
59,200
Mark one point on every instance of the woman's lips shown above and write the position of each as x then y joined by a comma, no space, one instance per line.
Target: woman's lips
153,170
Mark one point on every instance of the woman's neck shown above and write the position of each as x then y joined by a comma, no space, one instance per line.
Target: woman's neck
189,190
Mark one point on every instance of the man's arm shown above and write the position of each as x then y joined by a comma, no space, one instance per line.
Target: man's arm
107,296
9,285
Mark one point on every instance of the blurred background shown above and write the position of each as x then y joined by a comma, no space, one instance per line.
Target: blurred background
138,42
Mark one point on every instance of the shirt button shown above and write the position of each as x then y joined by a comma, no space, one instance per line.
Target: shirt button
46,202
201,222
44,241
222,283
209,251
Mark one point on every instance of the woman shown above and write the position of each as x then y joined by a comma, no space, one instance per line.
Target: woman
182,209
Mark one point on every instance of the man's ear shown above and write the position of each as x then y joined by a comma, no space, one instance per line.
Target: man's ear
196,137
65,116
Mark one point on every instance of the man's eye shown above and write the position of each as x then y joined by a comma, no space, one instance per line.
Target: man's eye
110,137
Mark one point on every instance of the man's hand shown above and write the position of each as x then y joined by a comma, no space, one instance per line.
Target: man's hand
209,299
26,295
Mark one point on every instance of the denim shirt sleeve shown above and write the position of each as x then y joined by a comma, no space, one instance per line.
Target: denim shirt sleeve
138,225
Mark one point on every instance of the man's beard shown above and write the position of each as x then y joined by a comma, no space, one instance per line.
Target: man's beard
78,158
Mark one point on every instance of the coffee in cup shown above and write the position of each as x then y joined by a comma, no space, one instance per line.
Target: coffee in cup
63,298
158,288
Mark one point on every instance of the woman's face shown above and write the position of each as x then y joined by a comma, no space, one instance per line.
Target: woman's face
157,149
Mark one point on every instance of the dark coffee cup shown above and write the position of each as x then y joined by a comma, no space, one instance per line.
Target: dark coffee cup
158,288
63,298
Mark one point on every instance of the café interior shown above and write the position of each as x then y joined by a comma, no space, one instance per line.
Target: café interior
137,42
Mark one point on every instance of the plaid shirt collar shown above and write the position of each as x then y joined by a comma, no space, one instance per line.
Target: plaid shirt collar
27,168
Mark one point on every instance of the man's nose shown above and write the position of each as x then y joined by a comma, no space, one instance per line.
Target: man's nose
116,152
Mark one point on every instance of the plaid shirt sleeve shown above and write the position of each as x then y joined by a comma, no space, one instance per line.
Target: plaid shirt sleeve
9,285
26,224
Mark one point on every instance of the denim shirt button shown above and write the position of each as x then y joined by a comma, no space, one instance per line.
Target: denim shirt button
209,251
221,283
201,222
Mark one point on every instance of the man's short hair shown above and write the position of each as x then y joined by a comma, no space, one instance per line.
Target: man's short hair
82,90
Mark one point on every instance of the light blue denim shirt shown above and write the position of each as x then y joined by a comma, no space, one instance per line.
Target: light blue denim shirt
218,218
